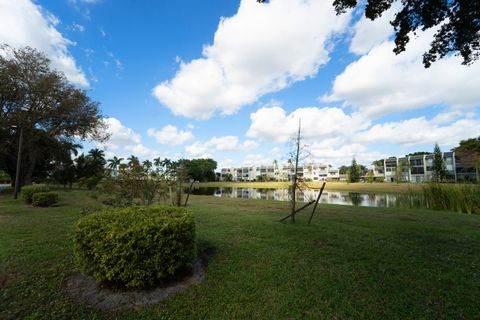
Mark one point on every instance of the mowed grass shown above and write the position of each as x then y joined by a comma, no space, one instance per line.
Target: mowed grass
352,262
331,186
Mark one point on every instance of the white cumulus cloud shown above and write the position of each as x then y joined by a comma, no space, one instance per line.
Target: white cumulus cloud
170,135
224,143
262,48
420,130
198,150
124,141
274,124
381,82
368,33
23,23
231,143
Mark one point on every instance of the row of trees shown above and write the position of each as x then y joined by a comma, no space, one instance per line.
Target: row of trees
42,116
88,170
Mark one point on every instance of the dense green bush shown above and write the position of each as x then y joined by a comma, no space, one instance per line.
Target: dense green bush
44,199
137,246
28,192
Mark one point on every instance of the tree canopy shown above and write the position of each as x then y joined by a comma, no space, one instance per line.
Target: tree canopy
51,112
439,172
354,171
468,152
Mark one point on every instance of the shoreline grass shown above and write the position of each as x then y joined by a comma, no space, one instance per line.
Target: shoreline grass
352,262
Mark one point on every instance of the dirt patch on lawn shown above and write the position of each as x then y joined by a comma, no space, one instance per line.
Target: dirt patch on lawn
8,277
85,290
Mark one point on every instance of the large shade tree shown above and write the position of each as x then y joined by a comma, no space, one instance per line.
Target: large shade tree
468,153
458,23
39,101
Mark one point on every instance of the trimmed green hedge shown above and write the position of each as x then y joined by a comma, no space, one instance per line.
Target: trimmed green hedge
28,192
137,246
44,199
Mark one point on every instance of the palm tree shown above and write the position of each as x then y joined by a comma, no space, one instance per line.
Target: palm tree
132,160
97,154
96,162
147,165
114,163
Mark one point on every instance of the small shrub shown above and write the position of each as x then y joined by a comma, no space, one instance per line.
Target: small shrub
137,246
44,199
28,192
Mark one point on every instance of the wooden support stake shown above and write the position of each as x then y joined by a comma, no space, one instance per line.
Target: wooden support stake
294,212
188,194
316,203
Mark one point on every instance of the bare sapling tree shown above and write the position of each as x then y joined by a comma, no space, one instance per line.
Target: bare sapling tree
297,154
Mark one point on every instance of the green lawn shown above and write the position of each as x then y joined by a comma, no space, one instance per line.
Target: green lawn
353,262
331,186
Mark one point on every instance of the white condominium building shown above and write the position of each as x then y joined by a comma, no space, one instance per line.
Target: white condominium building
419,168
309,172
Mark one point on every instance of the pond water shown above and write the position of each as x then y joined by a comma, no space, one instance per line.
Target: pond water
329,197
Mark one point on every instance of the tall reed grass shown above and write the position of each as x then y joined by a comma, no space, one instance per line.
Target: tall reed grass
463,198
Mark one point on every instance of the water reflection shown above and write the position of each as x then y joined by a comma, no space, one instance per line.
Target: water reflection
329,197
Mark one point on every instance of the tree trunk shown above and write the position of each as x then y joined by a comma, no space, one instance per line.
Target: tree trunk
295,174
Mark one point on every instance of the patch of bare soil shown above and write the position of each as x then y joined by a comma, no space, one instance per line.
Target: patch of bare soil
85,290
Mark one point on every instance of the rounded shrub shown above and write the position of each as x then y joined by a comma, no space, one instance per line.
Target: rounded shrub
28,192
44,199
137,246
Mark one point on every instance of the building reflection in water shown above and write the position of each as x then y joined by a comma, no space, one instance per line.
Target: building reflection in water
328,197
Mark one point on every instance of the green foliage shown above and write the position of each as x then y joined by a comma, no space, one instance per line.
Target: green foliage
137,246
201,169
28,192
63,173
134,183
417,153
369,176
439,171
468,153
4,176
89,182
44,199
46,108
343,170
90,169
462,198
354,171
401,172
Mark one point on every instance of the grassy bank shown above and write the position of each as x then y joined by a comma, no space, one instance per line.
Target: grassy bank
353,262
332,186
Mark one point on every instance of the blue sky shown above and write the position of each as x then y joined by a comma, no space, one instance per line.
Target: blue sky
230,79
